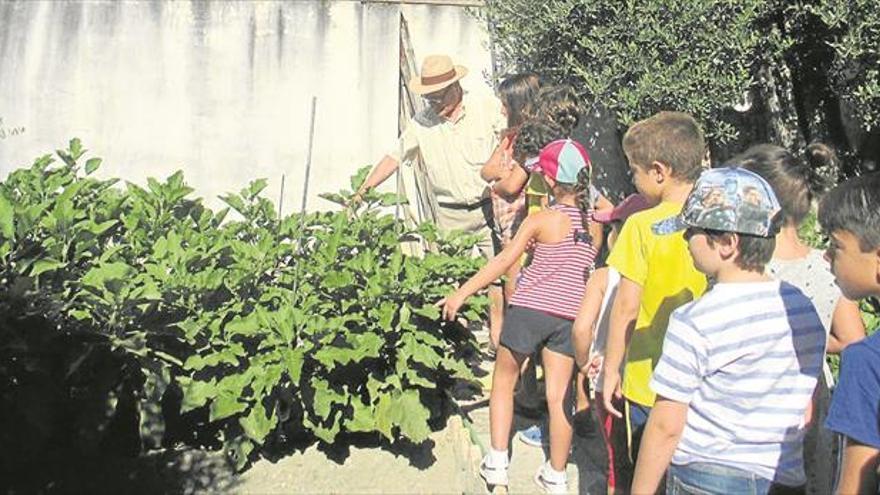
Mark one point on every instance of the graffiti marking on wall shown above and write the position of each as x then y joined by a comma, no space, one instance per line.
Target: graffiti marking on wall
7,132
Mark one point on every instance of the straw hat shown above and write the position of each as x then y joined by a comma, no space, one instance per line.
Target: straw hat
438,72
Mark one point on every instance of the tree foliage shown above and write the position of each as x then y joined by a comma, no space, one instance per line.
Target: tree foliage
749,70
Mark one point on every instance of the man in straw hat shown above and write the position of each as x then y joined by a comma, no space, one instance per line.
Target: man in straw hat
455,134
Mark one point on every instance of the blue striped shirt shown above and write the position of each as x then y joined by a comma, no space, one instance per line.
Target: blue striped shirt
745,357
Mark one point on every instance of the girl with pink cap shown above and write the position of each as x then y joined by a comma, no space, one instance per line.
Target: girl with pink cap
542,309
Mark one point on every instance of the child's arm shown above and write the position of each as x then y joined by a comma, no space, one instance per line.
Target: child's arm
859,472
494,168
664,428
846,325
511,185
855,414
496,267
588,314
623,321
597,235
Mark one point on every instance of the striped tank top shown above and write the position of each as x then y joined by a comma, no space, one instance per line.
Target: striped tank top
555,280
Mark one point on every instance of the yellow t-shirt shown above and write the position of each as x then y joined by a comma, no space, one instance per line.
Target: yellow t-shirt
536,190
662,265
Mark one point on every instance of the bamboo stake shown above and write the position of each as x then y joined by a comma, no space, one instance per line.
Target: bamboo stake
309,156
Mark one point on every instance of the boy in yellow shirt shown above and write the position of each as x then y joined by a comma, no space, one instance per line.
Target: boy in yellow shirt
657,272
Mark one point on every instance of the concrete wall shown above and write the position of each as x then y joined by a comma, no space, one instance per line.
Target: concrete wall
220,89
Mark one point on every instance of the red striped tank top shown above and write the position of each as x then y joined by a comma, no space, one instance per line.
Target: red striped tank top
555,280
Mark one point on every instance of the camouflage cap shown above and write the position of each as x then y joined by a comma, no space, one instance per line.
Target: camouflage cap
727,199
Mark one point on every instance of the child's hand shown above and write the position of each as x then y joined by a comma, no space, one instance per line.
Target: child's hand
450,305
594,366
611,391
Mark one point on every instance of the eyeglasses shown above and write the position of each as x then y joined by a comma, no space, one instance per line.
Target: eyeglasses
437,96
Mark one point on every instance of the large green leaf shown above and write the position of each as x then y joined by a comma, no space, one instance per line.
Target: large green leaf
224,406
412,416
325,398
105,273
7,218
256,425
196,393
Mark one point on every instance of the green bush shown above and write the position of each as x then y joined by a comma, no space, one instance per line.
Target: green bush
136,318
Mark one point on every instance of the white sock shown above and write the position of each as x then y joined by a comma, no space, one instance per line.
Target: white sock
553,475
498,458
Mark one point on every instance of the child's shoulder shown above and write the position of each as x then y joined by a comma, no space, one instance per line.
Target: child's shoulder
865,353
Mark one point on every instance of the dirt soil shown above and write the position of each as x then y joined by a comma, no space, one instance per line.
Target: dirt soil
444,464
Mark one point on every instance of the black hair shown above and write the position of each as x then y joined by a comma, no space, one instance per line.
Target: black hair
854,207
518,93
559,104
796,182
533,135
754,251
584,201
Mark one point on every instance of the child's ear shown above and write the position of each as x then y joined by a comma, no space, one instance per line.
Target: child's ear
728,246
877,266
661,171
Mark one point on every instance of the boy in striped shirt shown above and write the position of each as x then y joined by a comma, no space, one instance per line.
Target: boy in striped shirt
739,364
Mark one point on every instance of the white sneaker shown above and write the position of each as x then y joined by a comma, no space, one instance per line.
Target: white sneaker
550,482
494,475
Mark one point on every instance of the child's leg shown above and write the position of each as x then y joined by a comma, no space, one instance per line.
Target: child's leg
507,365
582,401
558,369
496,314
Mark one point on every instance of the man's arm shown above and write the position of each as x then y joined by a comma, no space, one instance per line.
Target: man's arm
386,166
664,428
859,472
623,321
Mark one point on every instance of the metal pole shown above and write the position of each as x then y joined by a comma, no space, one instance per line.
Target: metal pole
309,156
281,197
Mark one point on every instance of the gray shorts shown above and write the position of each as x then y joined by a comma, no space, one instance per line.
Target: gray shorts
525,331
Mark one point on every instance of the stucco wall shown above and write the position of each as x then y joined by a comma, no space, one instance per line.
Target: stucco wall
221,90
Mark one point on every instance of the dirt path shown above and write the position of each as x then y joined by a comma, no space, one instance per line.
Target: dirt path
444,465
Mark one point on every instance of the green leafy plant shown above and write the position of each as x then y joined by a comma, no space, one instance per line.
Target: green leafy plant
139,317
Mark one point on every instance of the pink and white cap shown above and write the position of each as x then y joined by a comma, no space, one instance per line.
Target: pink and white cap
562,160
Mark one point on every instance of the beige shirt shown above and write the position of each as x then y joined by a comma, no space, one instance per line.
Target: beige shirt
454,151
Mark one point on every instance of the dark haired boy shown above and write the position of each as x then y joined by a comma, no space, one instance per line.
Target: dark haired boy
665,154
850,216
739,364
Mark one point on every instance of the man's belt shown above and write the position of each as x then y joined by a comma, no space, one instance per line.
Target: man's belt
465,206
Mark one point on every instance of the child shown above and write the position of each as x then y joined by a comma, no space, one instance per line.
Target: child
517,94
798,264
590,332
739,364
850,216
542,308
532,137
556,106
665,154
